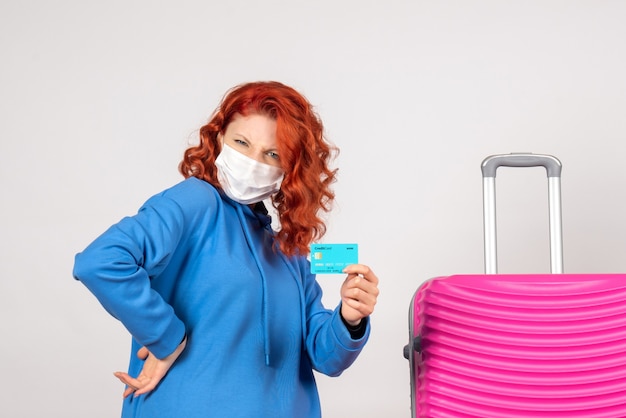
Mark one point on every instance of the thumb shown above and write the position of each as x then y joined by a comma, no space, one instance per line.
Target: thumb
142,353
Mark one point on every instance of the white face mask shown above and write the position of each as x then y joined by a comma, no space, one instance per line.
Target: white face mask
244,179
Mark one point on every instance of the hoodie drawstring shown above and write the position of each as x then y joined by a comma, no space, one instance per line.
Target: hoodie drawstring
265,309
301,294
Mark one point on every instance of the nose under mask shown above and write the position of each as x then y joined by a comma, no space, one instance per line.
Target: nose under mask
244,179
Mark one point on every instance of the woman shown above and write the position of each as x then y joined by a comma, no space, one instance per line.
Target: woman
226,318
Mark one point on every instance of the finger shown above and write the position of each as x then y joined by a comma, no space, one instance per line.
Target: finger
363,309
128,392
151,384
362,270
360,297
353,313
122,376
124,379
357,285
143,353
143,384
129,381
148,383
355,269
361,291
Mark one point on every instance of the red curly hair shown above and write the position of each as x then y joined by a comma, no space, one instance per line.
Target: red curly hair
304,157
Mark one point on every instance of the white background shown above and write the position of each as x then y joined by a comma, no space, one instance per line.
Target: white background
98,100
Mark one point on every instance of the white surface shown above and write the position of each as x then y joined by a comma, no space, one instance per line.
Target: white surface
98,100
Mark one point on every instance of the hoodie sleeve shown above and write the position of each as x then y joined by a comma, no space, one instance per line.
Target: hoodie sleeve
118,265
329,344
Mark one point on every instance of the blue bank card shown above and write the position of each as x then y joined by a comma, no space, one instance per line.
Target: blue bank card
333,258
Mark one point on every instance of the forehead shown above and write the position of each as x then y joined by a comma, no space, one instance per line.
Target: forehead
256,128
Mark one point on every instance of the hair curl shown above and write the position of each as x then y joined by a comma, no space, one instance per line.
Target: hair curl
304,156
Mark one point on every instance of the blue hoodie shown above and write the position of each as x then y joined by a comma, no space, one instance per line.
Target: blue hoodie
193,261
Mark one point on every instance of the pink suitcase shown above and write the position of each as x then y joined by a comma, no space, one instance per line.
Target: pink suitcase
514,345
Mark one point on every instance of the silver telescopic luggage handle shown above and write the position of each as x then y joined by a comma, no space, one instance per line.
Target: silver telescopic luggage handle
553,169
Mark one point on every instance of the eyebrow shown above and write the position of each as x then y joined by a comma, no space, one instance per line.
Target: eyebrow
275,149
241,135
